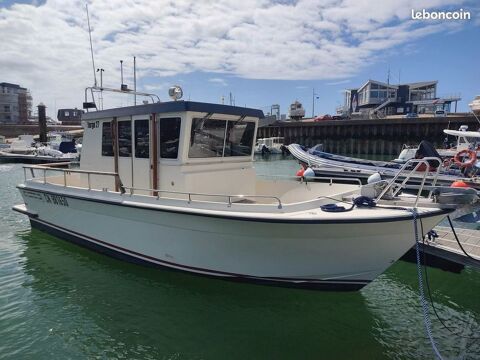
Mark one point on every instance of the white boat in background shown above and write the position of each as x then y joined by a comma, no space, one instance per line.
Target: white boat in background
271,145
331,165
25,150
172,184
475,105
3,143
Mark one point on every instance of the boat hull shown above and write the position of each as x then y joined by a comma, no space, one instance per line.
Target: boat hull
310,254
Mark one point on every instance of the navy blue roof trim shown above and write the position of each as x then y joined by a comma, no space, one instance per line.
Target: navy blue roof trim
173,106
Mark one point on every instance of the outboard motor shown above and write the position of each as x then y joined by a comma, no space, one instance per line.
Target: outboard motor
67,147
425,149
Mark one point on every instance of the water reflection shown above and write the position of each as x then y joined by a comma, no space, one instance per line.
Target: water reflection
91,304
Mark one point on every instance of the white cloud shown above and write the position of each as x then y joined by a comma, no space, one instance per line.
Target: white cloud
218,81
47,47
340,82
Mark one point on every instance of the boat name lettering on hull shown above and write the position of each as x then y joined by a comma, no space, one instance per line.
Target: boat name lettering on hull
56,199
32,195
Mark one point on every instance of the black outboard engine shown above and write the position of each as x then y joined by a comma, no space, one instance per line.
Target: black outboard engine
68,147
425,149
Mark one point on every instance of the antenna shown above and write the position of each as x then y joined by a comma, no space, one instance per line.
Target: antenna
135,80
91,46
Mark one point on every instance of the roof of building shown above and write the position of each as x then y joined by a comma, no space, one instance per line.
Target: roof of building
421,84
410,85
174,106
10,85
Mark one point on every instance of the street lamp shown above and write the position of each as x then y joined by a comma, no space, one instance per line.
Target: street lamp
314,97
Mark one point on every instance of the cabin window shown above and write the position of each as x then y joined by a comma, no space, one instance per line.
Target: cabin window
239,138
142,139
107,144
124,138
207,138
169,137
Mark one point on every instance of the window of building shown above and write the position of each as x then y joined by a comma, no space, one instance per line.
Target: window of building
107,144
207,138
74,113
66,113
6,108
169,137
124,138
142,139
239,138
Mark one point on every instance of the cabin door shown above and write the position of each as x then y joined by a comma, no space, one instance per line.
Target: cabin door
141,174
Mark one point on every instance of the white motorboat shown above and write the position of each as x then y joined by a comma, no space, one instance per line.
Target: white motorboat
475,105
25,150
327,165
271,145
172,184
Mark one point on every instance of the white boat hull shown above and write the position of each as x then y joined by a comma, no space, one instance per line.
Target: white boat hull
339,255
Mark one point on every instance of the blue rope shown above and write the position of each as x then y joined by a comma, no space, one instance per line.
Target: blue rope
425,309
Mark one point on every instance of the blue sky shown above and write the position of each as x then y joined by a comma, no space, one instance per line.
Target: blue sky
262,51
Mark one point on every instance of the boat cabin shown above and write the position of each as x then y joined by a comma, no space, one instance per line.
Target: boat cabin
179,146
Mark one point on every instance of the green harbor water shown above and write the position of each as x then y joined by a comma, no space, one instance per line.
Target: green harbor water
61,301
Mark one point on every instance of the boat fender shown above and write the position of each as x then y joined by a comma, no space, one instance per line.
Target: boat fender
459,184
459,157
375,177
364,201
308,172
300,172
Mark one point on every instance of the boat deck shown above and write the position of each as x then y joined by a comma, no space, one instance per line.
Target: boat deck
446,247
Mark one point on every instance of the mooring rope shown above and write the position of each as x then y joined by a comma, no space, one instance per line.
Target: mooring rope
425,309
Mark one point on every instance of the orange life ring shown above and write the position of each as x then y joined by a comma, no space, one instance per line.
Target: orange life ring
472,155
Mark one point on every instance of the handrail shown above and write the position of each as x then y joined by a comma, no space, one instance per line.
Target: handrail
190,194
65,171
418,162
331,179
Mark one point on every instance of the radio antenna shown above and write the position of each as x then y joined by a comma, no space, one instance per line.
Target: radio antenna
91,47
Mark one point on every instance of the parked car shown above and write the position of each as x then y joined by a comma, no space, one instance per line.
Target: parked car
323,117
338,117
440,113
410,115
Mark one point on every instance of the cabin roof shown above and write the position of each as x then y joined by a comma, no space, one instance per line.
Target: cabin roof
173,106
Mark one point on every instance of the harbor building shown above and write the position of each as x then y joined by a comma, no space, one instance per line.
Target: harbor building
376,99
69,116
15,104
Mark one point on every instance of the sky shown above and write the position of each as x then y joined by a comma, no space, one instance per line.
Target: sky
263,52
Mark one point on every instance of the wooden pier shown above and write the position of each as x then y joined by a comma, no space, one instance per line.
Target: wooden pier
375,137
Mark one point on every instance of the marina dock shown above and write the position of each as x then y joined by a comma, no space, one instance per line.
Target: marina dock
368,136
447,248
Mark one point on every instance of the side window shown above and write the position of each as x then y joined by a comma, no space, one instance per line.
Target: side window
107,144
239,138
142,139
125,138
169,137
206,138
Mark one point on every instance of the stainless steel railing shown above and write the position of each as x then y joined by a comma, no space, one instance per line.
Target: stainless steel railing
66,172
412,172
192,194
